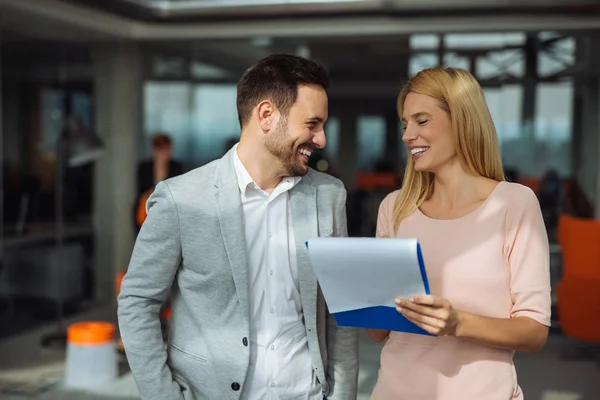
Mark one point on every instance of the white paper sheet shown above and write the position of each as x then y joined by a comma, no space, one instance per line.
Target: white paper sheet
356,273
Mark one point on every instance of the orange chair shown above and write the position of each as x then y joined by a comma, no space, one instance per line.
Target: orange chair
141,214
118,280
578,292
165,312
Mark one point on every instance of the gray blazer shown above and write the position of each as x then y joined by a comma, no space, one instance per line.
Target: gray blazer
192,248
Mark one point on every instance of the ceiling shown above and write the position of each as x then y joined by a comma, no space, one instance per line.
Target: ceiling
368,51
199,20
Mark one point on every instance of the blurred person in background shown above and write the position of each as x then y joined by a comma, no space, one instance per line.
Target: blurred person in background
484,245
227,242
160,167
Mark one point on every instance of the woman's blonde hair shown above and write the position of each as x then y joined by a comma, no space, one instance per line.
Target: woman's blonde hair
475,139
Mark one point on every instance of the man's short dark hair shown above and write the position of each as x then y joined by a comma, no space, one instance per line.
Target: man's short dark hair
276,78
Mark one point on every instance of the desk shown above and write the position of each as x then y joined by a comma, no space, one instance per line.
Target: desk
34,269
46,235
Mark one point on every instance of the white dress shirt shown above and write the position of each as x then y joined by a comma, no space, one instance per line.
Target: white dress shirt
280,364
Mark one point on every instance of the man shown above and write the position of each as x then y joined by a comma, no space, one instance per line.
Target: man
227,242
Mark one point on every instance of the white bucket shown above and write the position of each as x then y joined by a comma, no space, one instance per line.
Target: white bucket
91,355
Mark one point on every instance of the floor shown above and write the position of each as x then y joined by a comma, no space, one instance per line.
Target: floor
562,371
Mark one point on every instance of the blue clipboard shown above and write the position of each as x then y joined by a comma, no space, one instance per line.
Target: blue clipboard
384,317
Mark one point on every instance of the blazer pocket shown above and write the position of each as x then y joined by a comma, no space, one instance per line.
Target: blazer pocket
192,372
187,354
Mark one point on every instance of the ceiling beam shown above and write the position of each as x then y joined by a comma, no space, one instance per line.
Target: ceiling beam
173,10
363,26
56,19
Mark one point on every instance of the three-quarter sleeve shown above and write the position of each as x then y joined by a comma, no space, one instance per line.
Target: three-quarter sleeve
528,257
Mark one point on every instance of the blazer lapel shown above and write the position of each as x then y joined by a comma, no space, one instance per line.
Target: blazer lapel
231,220
303,200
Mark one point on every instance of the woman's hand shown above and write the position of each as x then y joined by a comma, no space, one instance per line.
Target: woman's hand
431,313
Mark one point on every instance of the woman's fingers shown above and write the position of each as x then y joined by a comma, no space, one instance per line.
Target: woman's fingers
426,327
429,311
421,318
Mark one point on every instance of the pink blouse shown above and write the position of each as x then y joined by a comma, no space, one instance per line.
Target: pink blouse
493,262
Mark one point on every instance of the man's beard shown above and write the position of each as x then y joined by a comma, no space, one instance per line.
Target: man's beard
279,144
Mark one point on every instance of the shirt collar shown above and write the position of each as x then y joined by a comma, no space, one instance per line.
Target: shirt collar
245,179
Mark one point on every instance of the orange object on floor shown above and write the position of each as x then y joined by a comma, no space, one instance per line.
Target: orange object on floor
578,292
92,333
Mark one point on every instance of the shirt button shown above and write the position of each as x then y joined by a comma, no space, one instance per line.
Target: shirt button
272,347
272,384
270,272
245,341
272,310
235,386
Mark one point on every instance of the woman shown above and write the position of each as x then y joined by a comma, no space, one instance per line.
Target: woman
484,245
